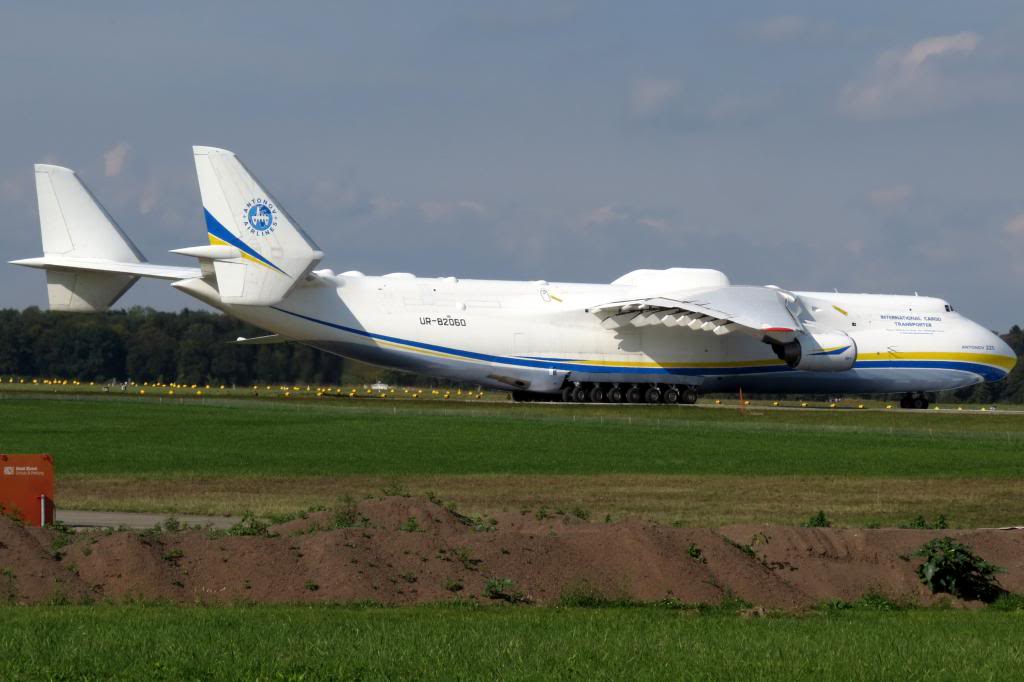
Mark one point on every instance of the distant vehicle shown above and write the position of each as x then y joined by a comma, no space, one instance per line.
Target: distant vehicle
649,336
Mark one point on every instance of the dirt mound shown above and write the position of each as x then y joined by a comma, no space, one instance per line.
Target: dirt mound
846,563
30,569
404,550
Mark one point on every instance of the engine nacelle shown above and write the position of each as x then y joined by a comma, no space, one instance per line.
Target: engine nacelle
818,352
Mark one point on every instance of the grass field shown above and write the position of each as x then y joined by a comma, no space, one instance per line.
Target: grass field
695,466
303,643
710,465
173,439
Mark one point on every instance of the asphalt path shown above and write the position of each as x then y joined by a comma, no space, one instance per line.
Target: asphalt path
100,519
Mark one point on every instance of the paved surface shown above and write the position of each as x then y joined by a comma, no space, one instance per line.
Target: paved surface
99,519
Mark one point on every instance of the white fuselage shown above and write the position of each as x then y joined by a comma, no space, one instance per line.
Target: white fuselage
678,326
536,336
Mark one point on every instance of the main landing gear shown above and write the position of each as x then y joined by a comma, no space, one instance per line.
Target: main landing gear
669,394
914,401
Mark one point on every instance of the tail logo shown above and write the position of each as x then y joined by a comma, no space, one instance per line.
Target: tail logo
259,216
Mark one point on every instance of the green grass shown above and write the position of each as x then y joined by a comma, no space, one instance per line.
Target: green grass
433,642
144,437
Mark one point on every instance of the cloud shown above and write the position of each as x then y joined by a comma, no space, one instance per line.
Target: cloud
887,197
658,104
912,81
650,97
622,216
446,211
1015,226
114,158
150,197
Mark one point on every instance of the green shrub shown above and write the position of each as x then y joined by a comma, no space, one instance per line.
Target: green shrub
746,549
173,555
484,524
1008,602
922,523
694,552
504,589
876,601
346,514
395,488
953,568
463,556
250,525
819,520
173,525
583,594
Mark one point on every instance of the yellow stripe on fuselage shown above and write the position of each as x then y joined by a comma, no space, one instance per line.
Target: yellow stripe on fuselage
424,351
1001,361
674,365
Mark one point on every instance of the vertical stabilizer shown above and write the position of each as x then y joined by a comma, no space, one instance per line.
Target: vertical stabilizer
275,254
75,226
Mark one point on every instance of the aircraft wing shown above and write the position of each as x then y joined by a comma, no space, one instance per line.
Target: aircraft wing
759,311
259,340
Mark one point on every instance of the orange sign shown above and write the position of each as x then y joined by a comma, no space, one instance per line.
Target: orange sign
26,488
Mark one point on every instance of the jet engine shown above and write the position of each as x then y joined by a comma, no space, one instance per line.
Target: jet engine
831,351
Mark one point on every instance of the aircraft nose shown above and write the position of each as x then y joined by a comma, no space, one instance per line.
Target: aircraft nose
1003,348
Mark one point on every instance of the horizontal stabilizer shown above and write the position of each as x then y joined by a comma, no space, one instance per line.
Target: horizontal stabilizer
99,265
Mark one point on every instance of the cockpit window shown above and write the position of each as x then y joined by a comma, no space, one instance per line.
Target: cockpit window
949,308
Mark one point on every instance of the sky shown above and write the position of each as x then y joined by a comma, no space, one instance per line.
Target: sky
865,147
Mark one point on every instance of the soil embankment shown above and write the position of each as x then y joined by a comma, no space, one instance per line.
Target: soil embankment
406,550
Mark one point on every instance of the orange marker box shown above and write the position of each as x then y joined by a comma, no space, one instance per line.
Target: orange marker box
26,488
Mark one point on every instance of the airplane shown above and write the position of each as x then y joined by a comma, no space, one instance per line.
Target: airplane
650,336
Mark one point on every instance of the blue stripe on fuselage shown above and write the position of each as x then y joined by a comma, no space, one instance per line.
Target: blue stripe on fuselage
986,371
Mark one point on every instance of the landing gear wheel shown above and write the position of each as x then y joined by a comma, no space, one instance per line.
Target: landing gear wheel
689,396
652,395
615,394
579,394
914,401
670,396
567,394
596,394
634,395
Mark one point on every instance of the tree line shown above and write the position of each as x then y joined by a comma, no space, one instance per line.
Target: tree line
141,344
191,347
